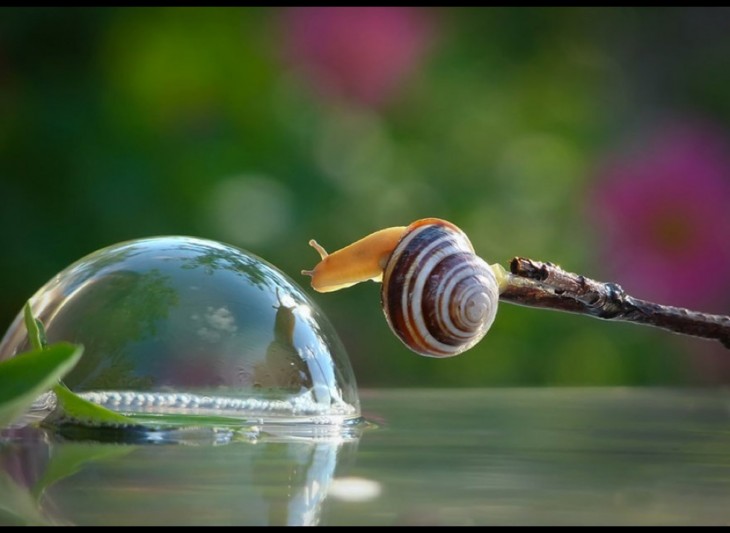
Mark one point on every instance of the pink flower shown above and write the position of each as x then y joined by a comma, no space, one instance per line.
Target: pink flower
363,54
663,214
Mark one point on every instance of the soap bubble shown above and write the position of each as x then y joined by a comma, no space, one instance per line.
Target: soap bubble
179,325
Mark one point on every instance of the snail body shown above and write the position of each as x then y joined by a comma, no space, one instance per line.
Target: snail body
438,296
360,261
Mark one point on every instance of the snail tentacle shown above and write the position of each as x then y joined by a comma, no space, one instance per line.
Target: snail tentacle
322,252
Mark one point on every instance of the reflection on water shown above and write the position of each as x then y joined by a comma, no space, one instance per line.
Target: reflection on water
439,457
184,325
250,478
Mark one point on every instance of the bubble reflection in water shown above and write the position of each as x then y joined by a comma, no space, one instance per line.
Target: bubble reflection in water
190,326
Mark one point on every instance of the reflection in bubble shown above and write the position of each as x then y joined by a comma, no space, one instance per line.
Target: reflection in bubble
187,326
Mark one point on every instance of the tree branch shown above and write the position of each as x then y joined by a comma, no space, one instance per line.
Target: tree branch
538,284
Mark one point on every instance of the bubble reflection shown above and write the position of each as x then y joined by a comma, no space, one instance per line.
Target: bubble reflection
47,479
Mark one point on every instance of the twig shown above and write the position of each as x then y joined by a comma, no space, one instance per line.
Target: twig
538,284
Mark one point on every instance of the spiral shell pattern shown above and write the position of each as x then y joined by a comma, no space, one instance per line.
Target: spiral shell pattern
438,296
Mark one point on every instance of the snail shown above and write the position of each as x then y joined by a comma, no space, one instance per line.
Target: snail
438,296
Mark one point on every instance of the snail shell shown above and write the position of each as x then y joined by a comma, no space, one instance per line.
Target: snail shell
438,296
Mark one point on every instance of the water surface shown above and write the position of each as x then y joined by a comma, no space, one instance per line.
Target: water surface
566,456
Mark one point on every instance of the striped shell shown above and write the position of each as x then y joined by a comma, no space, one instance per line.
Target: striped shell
438,296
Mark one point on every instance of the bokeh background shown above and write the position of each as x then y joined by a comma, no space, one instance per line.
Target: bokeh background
598,139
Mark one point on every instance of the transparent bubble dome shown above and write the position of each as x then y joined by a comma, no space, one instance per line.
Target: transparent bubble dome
179,325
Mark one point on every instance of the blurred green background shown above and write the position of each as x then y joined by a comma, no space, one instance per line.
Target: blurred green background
592,138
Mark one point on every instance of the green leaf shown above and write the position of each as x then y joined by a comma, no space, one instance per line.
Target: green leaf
26,376
74,407
70,405
17,506
36,331
68,459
